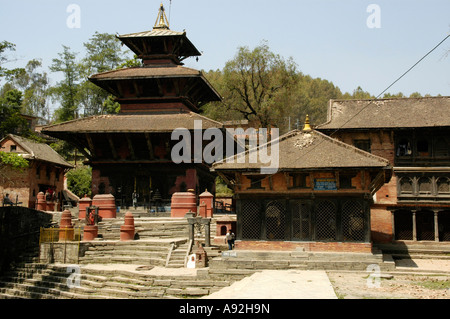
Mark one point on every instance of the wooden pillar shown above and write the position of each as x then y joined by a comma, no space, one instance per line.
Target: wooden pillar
414,225
436,226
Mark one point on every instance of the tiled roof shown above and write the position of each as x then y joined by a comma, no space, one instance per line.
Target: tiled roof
388,113
148,72
310,150
38,151
136,123
153,33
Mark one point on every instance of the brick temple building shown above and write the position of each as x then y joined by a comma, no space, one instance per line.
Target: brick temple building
45,172
319,200
131,152
414,135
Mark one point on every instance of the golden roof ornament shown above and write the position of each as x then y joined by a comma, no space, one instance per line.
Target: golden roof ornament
161,20
307,127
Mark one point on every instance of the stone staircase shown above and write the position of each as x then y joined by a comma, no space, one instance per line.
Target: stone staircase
51,281
140,252
417,250
301,260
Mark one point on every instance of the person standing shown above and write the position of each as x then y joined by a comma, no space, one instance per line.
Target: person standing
229,239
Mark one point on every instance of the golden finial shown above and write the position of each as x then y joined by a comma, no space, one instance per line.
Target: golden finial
161,20
307,127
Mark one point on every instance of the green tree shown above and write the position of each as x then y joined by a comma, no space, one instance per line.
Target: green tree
256,82
4,47
79,181
34,86
11,120
103,53
66,91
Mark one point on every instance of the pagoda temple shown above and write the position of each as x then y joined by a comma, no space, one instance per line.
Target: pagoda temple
130,152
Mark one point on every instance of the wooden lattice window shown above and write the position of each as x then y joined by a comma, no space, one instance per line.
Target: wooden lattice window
251,220
353,223
301,221
326,223
275,220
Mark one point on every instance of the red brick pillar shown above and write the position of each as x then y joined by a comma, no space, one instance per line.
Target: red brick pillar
83,203
90,232
208,199
127,230
40,202
106,205
182,203
66,231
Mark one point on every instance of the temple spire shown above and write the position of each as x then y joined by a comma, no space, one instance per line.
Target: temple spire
307,127
161,20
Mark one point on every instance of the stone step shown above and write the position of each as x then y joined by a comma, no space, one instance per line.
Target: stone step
40,281
123,260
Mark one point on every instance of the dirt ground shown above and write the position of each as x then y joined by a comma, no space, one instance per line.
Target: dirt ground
423,279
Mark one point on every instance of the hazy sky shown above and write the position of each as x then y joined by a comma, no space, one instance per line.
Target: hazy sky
329,39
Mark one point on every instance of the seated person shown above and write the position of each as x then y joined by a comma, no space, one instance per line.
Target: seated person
7,200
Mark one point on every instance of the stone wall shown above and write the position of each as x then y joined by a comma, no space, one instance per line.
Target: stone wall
19,232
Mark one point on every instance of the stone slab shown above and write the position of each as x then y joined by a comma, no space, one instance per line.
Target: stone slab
279,284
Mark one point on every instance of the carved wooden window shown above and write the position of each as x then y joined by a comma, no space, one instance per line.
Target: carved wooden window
425,186
443,185
406,185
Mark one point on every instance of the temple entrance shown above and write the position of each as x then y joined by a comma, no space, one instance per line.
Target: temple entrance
344,219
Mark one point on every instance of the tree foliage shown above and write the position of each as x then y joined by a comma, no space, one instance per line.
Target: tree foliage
79,181
13,160
11,121
65,91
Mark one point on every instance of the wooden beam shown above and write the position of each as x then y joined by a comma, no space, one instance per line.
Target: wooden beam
160,87
130,146
149,146
90,143
113,149
136,89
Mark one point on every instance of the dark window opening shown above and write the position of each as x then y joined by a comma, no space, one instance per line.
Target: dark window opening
255,182
299,180
345,181
422,148
364,145
404,148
